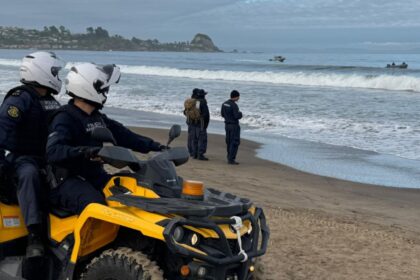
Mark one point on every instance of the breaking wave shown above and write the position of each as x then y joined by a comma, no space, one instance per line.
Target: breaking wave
387,82
301,78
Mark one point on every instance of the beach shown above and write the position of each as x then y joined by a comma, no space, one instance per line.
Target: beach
321,228
338,115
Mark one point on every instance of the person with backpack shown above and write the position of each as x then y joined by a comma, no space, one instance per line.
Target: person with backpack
24,115
232,115
198,118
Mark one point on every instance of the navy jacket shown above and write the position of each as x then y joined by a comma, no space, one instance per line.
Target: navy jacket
70,129
204,112
230,112
24,121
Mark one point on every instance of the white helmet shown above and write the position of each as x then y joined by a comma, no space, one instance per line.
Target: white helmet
41,69
91,82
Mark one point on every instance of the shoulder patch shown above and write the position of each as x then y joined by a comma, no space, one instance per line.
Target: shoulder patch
13,112
16,93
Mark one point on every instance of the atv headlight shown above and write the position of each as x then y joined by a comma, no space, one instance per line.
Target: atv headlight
178,233
194,239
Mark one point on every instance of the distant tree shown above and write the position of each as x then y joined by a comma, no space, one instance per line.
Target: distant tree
53,29
89,30
101,33
62,29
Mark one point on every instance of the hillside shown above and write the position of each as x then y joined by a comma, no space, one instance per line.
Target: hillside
97,39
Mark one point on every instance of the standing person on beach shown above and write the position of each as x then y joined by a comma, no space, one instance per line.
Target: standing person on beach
71,150
23,132
198,117
230,112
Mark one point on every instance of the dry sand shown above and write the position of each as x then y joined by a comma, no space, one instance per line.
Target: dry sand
321,228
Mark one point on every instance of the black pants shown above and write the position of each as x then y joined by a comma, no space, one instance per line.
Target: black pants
233,139
75,193
30,194
197,140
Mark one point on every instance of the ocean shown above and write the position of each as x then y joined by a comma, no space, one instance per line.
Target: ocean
341,115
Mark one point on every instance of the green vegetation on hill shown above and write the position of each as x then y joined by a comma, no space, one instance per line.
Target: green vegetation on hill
97,39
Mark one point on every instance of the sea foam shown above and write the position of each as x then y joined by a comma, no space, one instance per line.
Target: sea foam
387,82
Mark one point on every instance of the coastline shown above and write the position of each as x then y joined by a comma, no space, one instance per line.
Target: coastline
341,162
321,227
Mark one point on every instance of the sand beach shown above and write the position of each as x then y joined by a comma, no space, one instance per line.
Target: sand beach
321,228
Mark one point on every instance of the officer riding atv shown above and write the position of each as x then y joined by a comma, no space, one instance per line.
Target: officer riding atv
146,223
155,225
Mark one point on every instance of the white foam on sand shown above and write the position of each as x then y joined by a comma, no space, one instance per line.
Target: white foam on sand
341,162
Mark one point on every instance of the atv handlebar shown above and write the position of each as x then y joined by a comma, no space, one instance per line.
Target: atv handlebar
121,157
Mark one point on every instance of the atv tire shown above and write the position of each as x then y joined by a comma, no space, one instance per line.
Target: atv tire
122,264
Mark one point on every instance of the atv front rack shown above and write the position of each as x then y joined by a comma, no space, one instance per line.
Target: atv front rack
258,223
215,203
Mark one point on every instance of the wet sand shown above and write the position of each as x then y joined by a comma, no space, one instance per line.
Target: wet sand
321,228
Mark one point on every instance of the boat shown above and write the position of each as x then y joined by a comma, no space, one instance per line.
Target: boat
401,66
278,58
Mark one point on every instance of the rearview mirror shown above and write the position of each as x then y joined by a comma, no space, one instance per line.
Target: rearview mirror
103,134
174,132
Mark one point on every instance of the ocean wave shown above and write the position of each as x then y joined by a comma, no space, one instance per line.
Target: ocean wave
10,62
372,81
293,77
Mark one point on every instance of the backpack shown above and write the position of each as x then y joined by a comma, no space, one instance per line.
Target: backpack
191,110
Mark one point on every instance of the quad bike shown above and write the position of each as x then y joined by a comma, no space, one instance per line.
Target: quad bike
156,225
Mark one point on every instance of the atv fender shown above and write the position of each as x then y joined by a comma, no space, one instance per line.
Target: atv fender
98,226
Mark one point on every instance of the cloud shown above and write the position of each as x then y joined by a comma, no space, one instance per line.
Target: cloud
288,14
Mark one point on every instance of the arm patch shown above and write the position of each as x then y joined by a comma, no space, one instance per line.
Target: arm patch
13,112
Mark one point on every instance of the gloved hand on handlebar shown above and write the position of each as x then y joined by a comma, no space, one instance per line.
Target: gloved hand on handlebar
2,167
3,164
89,152
157,147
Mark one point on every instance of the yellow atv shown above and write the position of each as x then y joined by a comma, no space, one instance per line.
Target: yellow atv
156,225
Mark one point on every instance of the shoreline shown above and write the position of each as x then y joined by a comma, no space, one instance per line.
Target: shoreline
312,183
341,162
321,228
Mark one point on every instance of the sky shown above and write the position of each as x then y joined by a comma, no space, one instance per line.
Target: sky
241,24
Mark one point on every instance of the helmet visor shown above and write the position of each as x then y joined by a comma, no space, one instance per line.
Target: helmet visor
55,70
113,73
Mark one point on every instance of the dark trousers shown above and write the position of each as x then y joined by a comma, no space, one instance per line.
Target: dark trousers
30,194
197,140
75,193
233,139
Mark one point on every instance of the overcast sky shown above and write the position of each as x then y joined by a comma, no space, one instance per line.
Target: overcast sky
242,24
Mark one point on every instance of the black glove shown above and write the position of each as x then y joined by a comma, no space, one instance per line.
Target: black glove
157,147
3,168
89,152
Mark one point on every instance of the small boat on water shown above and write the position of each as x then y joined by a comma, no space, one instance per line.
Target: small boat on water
278,58
401,66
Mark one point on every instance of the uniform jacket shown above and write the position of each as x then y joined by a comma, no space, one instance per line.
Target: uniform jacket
70,129
230,112
24,121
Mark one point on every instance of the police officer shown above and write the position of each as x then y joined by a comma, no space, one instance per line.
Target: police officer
197,129
232,115
23,132
70,149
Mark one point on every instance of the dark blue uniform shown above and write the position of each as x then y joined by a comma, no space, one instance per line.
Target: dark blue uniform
81,180
230,112
197,131
23,131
